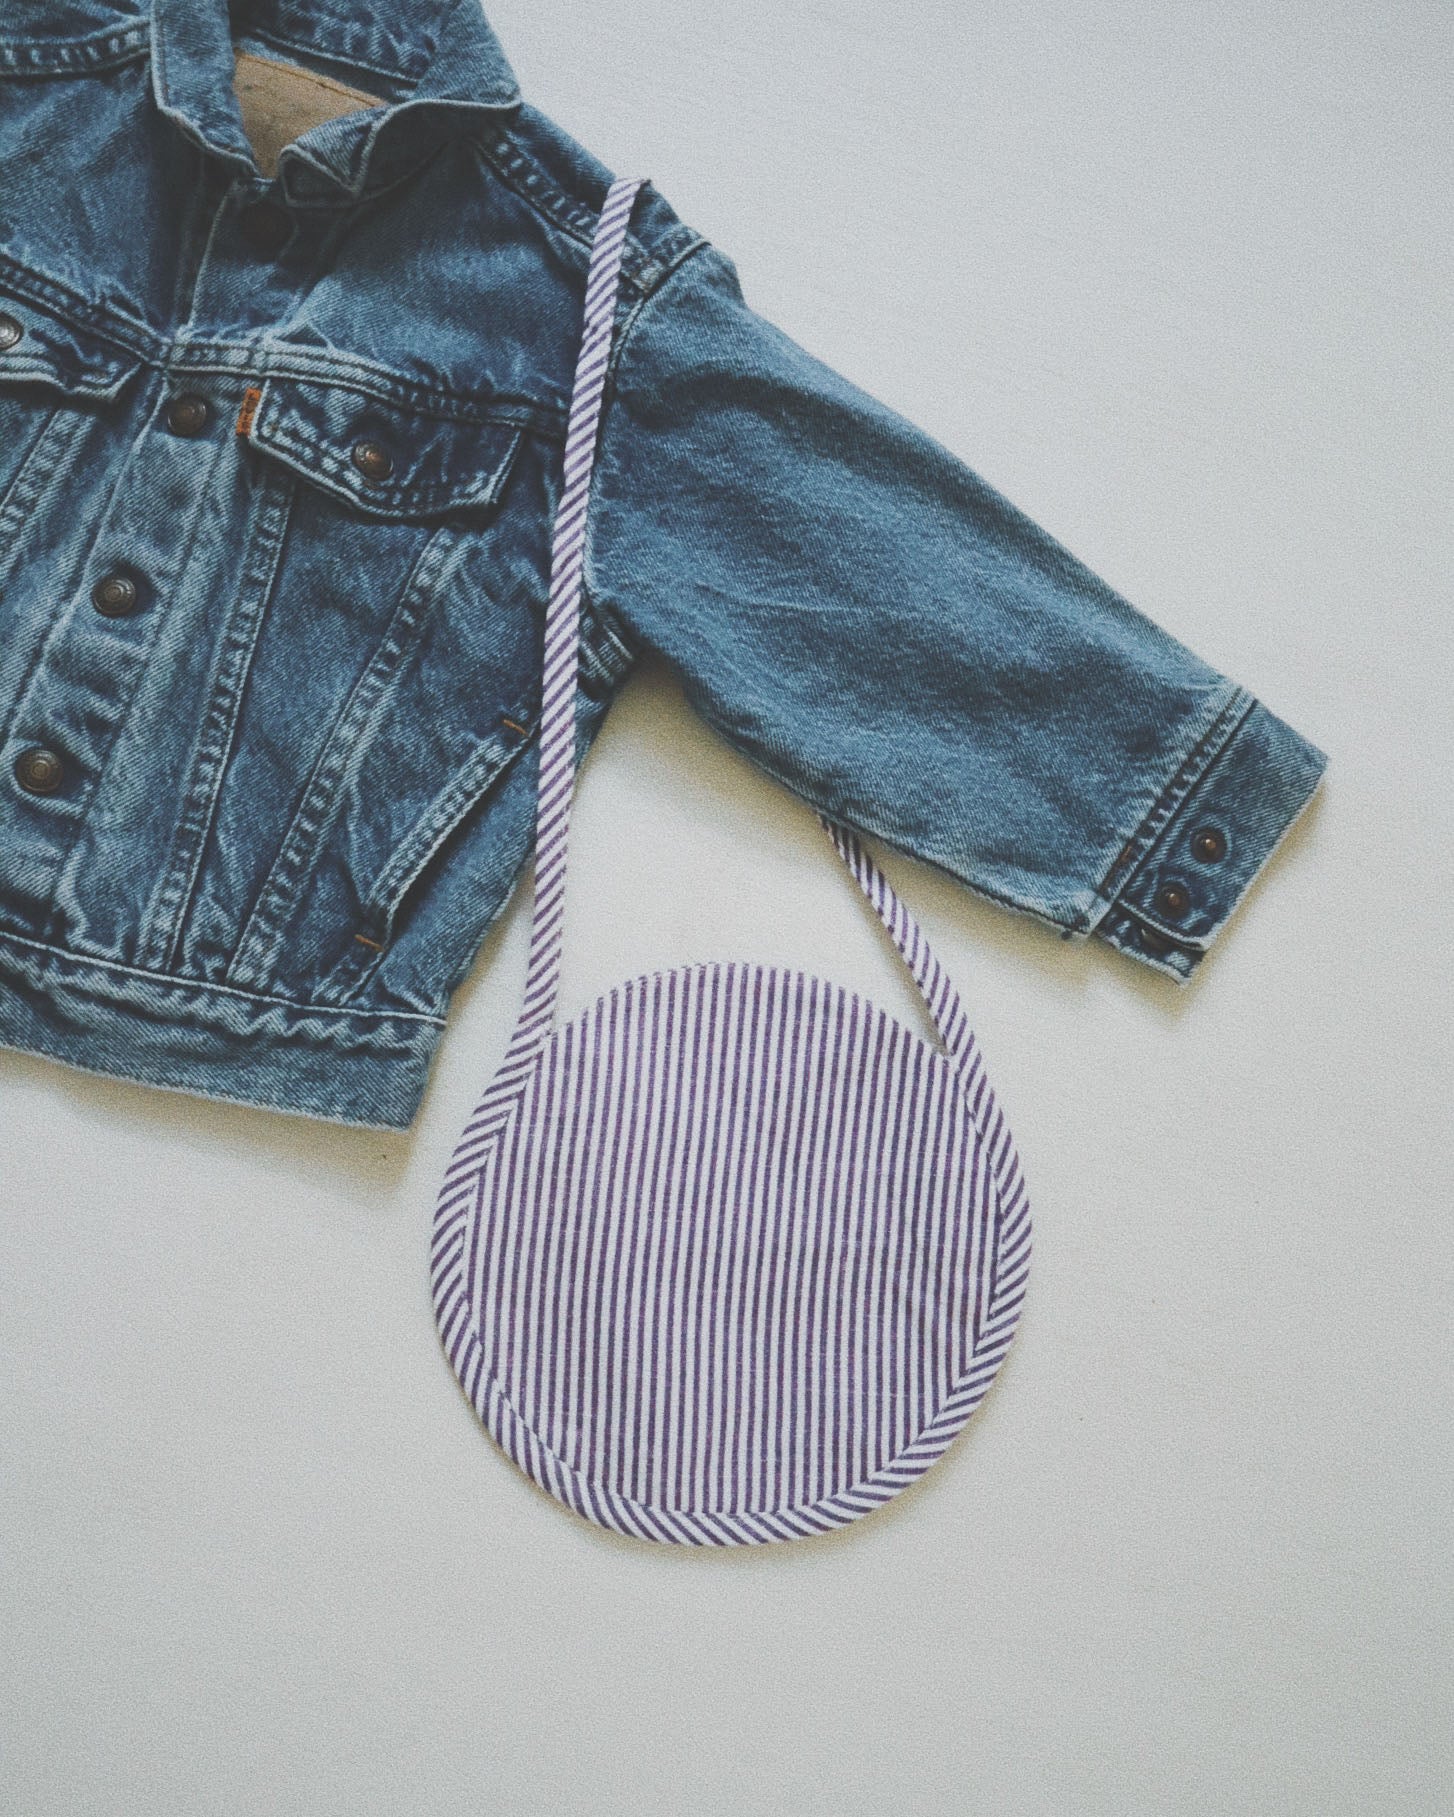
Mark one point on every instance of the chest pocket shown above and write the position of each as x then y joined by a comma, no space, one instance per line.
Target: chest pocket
50,362
384,459
396,638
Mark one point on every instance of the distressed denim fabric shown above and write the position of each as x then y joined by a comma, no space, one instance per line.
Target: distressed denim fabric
280,443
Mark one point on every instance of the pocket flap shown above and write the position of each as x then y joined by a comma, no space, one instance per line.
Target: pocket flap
387,459
43,346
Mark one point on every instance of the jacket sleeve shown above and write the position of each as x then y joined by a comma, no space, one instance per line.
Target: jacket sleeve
874,626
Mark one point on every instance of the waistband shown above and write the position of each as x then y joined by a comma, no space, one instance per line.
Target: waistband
345,1066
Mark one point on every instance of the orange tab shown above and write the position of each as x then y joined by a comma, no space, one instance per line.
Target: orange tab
248,411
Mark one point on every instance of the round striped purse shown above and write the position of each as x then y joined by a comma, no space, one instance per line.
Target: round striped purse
734,1255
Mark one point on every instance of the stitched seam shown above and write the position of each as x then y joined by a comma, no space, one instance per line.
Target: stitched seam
299,854
320,464
945,1413
1203,753
95,51
414,853
522,174
607,614
192,529
202,989
9,521
14,505
56,442
670,283
256,33
77,313
434,825
268,360
166,920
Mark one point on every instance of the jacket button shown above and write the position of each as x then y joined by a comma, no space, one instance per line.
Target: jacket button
265,226
1209,844
40,771
372,459
116,596
10,331
1154,943
187,414
1173,899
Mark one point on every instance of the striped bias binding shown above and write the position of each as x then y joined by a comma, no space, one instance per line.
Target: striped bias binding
732,1256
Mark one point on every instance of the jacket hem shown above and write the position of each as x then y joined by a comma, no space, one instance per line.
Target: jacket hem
359,1067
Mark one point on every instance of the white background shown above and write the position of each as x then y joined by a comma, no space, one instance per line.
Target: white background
1176,279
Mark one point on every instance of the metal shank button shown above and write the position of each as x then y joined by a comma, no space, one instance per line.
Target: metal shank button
116,596
10,331
187,414
1210,844
372,459
1173,899
40,771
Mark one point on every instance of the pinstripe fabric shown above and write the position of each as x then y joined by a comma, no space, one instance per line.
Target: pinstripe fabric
732,1256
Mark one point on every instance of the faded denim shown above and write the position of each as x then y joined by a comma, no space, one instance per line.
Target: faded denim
297,782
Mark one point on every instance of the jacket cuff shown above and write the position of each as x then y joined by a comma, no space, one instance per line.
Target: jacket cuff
1184,871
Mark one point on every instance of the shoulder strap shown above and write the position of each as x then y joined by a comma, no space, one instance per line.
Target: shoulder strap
557,763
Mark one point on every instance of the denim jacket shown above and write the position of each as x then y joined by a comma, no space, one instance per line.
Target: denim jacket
282,397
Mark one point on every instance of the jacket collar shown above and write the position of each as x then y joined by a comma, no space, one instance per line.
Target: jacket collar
436,65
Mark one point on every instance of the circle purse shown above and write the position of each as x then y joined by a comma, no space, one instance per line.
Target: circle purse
732,1256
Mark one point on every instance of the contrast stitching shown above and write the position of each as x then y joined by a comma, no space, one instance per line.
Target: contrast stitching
97,50
1194,766
320,464
200,992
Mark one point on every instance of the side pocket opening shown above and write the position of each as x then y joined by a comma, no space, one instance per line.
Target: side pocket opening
406,874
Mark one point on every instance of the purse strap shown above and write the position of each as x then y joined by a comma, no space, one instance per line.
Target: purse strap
558,738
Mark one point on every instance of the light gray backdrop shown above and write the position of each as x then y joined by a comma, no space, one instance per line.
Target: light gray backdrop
1176,279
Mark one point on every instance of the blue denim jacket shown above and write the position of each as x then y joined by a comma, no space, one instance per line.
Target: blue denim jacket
280,443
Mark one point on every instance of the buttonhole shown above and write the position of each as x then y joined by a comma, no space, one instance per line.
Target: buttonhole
364,940
514,726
